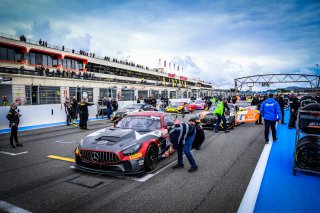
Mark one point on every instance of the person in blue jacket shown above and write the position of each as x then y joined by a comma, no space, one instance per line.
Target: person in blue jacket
271,112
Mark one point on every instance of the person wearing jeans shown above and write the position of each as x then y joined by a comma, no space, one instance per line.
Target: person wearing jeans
271,112
182,136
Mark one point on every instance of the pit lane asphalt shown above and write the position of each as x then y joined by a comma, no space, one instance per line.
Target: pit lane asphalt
38,184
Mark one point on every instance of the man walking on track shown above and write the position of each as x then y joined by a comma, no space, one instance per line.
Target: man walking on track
270,111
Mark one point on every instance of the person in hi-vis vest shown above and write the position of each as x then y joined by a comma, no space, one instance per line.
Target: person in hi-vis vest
219,112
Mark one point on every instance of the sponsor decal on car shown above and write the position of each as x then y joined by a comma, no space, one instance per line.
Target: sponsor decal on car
135,156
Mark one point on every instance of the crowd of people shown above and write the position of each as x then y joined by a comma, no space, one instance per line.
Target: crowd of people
183,136
42,71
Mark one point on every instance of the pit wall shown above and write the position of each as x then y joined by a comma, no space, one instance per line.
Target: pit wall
50,113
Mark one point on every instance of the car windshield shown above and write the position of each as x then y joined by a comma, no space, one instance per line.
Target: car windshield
140,122
176,104
199,102
133,106
243,104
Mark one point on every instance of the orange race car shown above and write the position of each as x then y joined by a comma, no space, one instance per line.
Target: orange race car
245,113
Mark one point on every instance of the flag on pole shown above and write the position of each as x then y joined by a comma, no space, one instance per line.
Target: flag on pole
165,63
159,64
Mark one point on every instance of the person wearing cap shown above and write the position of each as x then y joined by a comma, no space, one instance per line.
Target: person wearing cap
200,136
219,111
182,136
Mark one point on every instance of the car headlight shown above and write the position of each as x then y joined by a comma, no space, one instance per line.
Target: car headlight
132,149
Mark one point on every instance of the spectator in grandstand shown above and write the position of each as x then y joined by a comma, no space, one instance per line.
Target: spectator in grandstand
40,42
62,47
271,112
23,38
14,119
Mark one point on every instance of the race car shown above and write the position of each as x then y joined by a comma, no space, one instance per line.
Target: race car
178,107
134,145
208,119
245,113
200,104
192,106
131,108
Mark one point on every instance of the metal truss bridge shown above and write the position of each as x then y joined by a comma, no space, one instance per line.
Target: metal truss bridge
267,79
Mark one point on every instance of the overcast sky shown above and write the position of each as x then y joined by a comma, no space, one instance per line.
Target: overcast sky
214,40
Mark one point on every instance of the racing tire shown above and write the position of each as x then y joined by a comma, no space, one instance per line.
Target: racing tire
151,158
307,153
305,119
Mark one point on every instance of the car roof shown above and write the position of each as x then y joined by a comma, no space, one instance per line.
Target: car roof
149,113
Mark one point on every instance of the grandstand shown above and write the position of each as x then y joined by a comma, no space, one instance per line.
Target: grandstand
39,73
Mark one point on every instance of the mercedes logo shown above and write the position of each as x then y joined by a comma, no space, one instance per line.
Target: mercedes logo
94,157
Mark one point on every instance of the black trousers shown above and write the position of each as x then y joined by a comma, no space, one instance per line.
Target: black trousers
223,118
293,118
69,120
282,112
83,120
267,125
14,134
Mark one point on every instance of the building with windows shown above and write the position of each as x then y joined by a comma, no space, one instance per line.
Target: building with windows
39,73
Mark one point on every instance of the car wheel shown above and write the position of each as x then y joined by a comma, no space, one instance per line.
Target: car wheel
151,158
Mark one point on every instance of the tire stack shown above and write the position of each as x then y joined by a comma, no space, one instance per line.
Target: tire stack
307,149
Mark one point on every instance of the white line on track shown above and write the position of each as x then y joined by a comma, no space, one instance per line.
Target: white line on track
148,176
7,207
249,199
13,154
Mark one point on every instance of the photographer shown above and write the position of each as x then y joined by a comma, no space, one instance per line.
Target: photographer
14,119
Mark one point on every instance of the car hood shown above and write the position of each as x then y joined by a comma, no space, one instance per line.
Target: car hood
116,139
123,111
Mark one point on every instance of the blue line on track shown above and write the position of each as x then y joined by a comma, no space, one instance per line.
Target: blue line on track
280,190
25,128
